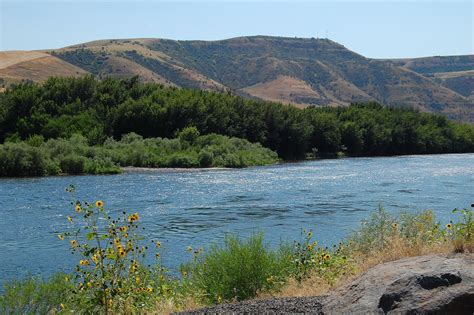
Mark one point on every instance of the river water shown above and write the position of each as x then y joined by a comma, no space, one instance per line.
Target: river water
197,208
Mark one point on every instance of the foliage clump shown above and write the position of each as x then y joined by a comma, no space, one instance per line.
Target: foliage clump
98,110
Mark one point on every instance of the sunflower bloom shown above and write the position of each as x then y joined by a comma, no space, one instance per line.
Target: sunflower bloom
99,203
149,289
449,226
84,262
133,217
78,208
158,244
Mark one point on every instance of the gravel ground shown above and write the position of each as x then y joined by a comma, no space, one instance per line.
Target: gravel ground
294,305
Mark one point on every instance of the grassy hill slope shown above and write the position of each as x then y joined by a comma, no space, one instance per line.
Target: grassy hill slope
296,71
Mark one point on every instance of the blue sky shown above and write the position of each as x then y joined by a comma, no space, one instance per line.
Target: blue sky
378,29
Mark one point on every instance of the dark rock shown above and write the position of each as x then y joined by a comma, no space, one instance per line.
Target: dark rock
417,285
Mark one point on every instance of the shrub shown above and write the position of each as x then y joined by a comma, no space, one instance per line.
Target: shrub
238,269
205,158
19,159
34,296
73,164
182,160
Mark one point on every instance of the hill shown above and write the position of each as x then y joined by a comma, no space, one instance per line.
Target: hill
299,71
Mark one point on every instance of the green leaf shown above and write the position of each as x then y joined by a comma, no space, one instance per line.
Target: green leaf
90,236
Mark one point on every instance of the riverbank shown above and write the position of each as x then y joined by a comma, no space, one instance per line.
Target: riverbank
432,283
73,156
133,169
238,269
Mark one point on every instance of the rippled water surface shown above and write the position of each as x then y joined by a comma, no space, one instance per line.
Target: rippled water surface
199,207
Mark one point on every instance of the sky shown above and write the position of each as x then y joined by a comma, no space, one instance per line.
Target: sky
376,29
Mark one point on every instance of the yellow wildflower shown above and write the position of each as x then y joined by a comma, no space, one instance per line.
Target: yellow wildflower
99,203
449,226
69,218
74,243
95,258
149,289
61,237
157,255
123,229
327,257
133,217
158,244
394,226
138,280
78,208
62,306
84,262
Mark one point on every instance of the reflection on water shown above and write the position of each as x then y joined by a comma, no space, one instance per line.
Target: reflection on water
198,208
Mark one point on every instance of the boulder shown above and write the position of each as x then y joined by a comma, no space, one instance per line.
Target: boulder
417,285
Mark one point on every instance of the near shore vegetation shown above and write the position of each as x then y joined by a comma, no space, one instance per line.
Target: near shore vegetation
104,112
111,277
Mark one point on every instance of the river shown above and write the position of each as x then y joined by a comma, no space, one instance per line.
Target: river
197,208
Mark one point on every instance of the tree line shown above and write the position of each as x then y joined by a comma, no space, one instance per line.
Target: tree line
100,109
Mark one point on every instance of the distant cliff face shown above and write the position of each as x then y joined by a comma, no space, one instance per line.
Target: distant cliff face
299,71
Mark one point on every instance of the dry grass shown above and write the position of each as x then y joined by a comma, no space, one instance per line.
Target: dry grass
39,69
399,248
283,89
170,306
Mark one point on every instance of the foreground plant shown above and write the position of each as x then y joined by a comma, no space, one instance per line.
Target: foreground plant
110,272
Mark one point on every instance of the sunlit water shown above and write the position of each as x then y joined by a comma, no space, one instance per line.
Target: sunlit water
198,207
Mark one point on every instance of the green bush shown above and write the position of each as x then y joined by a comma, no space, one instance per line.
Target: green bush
20,159
73,164
238,269
34,296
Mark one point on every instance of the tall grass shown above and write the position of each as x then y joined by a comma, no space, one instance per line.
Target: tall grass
239,269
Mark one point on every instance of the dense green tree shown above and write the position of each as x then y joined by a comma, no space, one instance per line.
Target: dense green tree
97,110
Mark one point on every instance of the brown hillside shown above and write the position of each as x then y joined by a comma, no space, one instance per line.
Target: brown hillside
35,66
299,71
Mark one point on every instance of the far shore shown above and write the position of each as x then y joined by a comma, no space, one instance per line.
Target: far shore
133,169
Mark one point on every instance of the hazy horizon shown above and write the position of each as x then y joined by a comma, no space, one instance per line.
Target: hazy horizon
402,29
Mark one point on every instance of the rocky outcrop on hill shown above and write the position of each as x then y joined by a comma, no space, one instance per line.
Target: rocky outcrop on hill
417,285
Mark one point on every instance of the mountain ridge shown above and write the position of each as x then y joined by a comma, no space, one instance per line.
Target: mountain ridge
297,71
